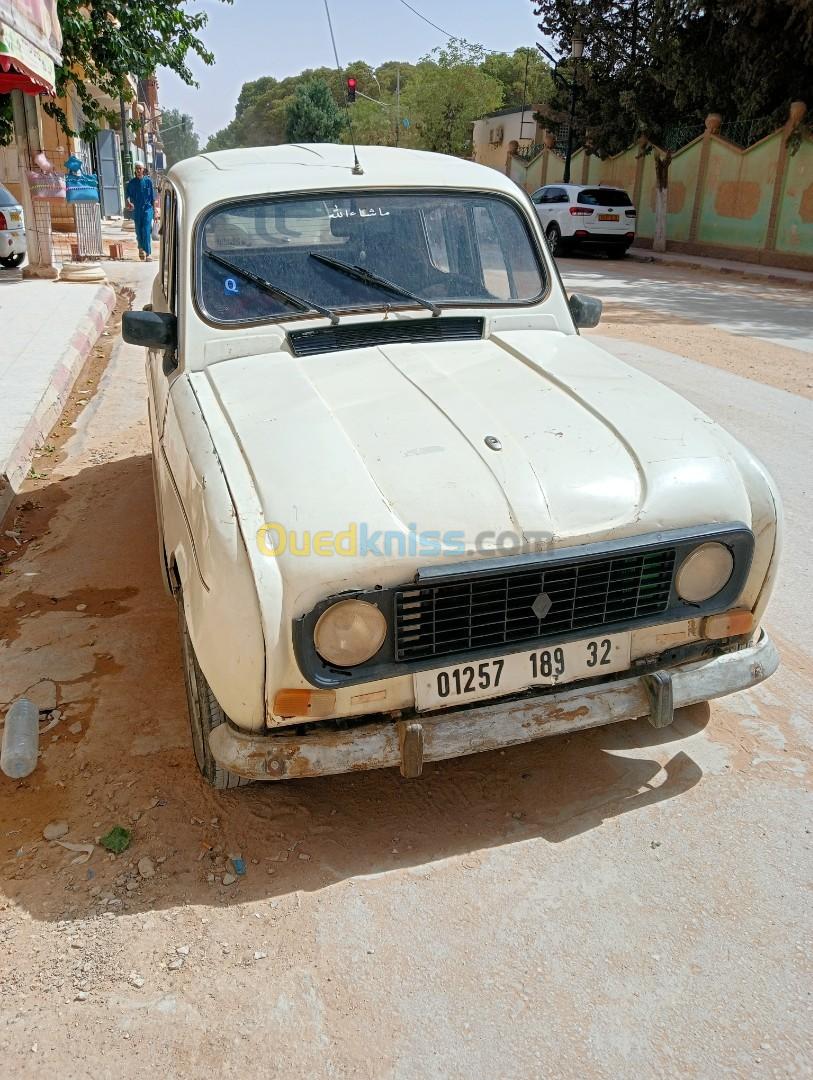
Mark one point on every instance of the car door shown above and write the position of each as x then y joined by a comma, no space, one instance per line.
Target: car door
557,209
540,199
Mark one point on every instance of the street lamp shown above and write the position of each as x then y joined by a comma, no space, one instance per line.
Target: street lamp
576,53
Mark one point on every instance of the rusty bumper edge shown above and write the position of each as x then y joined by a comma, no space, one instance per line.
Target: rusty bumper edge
488,727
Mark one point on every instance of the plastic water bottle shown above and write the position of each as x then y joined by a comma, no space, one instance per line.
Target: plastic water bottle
21,736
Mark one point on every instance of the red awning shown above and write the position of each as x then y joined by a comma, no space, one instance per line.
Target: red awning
14,75
30,44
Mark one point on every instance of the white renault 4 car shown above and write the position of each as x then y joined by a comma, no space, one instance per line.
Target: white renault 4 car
406,511
586,216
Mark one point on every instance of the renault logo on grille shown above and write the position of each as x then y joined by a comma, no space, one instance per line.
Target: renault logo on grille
541,606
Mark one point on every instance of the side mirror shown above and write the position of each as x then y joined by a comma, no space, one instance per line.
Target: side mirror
586,310
152,329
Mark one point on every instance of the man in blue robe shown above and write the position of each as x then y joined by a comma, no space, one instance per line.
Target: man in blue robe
141,199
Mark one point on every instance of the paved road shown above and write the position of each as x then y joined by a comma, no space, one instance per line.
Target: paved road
777,313
618,902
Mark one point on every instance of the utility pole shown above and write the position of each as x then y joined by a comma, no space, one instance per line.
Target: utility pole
125,145
398,106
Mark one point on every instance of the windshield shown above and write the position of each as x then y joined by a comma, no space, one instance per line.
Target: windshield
274,258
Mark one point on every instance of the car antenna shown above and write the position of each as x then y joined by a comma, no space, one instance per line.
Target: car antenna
357,169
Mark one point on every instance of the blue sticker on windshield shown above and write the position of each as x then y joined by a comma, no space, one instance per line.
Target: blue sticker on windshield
230,287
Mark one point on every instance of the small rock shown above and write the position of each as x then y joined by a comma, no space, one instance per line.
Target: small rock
176,965
76,729
55,830
136,980
132,886
304,857
81,607
43,695
260,955
146,868
655,844
229,879
182,950
210,878
81,996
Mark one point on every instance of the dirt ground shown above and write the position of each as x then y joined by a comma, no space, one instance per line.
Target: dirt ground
617,902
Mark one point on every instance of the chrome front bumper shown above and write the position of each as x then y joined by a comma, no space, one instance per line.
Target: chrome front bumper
408,743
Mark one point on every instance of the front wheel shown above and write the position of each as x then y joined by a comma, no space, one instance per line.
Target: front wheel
11,262
204,713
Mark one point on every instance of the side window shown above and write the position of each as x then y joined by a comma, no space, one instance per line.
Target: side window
168,249
539,196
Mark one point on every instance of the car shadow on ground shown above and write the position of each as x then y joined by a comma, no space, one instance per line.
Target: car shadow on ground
99,627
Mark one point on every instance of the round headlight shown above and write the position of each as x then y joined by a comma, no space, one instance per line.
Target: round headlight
704,573
349,633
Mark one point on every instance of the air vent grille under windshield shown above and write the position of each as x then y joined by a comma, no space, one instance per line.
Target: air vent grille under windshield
391,332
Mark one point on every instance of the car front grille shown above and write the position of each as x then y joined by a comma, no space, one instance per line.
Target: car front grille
494,610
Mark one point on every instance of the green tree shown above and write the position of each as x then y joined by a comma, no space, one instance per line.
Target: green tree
178,136
511,71
649,64
313,115
447,92
105,41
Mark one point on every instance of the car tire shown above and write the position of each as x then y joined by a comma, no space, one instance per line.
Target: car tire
11,262
554,239
205,714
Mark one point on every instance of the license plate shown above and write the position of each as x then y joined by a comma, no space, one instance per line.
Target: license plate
608,217
15,217
501,675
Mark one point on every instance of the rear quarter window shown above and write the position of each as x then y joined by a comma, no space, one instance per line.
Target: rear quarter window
604,197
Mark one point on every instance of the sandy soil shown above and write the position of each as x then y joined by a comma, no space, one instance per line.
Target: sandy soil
775,365
616,902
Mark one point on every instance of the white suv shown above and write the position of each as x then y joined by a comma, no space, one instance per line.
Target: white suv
584,215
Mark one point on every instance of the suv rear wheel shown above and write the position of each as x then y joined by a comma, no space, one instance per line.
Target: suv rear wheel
554,238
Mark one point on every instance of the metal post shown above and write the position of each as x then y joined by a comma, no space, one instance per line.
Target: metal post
125,145
570,123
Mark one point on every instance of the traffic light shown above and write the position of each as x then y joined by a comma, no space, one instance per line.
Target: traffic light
351,89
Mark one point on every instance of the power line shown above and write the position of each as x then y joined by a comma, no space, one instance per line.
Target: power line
451,37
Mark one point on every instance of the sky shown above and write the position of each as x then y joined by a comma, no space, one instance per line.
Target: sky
251,38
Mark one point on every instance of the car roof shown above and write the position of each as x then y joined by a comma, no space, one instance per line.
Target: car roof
261,170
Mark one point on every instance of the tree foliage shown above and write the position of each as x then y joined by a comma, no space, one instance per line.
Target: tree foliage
439,97
649,64
313,116
178,136
107,40
448,91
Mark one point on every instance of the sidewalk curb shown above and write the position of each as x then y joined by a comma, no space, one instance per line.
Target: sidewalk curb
64,375
750,272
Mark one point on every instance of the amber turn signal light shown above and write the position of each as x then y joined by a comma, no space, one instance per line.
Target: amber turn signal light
314,703
729,624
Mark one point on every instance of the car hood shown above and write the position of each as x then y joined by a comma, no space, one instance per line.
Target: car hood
394,440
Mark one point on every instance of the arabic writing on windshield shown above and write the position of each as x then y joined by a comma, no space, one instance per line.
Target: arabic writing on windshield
453,248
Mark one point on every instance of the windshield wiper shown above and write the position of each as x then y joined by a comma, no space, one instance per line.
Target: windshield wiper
289,298
369,278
